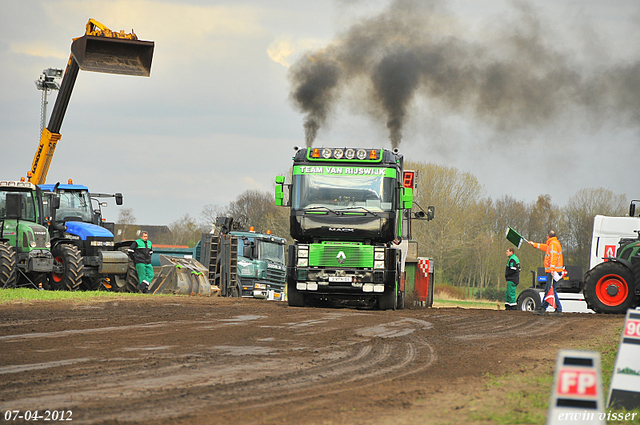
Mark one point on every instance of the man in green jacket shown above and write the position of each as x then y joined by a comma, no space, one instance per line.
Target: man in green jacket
140,252
512,275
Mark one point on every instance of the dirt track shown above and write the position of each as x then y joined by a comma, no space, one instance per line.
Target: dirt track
181,360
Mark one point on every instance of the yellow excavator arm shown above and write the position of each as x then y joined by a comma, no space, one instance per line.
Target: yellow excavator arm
42,159
96,28
99,50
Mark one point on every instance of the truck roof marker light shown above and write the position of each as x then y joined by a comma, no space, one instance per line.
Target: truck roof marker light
252,229
70,181
22,179
350,153
268,232
315,153
326,153
361,154
373,155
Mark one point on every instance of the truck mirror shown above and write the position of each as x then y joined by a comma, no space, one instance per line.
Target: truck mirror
118,198
431,212
248,250
279,179
54,201
14,205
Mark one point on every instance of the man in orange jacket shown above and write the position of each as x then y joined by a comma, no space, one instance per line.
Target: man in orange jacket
553,267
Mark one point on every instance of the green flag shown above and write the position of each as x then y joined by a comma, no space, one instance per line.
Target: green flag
514,237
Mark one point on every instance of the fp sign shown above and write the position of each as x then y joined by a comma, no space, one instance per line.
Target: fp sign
577,383
577,389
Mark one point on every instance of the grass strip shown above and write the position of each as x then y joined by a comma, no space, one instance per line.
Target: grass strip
527,396
28,294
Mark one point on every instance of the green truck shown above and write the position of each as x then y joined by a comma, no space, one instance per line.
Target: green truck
349,211
25,247
241,263
245,264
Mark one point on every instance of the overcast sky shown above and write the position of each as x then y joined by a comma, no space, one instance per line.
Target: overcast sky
215,117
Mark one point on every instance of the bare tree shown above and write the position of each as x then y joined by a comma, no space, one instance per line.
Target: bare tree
544,216
579,213
185,231
208,216
255,205
127,222
448,239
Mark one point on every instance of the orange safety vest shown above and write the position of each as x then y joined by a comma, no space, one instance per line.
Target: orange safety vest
553,255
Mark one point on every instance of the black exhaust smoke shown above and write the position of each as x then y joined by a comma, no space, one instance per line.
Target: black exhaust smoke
514,80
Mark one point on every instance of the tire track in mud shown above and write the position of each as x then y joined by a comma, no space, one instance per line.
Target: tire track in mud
232,361
375,355
368,355
507,326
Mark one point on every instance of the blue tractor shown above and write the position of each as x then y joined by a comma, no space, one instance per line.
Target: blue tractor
85,254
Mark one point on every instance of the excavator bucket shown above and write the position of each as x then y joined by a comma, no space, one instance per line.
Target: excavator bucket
182,276
113,55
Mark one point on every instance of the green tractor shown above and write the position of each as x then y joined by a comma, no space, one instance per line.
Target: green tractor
25,247
613,286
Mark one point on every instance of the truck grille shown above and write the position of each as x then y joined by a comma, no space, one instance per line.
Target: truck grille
337,254
274,275
41,239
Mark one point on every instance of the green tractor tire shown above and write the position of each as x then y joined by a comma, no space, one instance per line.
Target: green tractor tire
68,257
8,266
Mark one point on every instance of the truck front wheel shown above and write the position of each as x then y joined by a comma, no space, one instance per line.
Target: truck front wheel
8,266
388,300
295,298
609,288
68,266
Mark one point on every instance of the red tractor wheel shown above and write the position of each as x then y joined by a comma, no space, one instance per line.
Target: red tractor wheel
609,288
612,290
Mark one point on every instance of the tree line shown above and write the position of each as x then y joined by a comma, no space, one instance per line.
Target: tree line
466,239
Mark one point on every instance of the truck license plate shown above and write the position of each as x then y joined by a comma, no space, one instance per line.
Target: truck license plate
340,279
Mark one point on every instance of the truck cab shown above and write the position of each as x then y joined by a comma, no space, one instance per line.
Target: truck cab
261,265
25,246
347,209
76,220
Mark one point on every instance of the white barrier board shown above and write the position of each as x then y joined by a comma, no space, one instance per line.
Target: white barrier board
577,389
625,382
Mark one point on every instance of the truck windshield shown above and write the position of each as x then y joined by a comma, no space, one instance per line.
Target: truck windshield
271,251
375,193
28,205
74,206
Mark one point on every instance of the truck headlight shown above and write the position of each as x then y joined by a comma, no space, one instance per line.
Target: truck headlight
378,254
260,286
303,256
33,244
378,264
